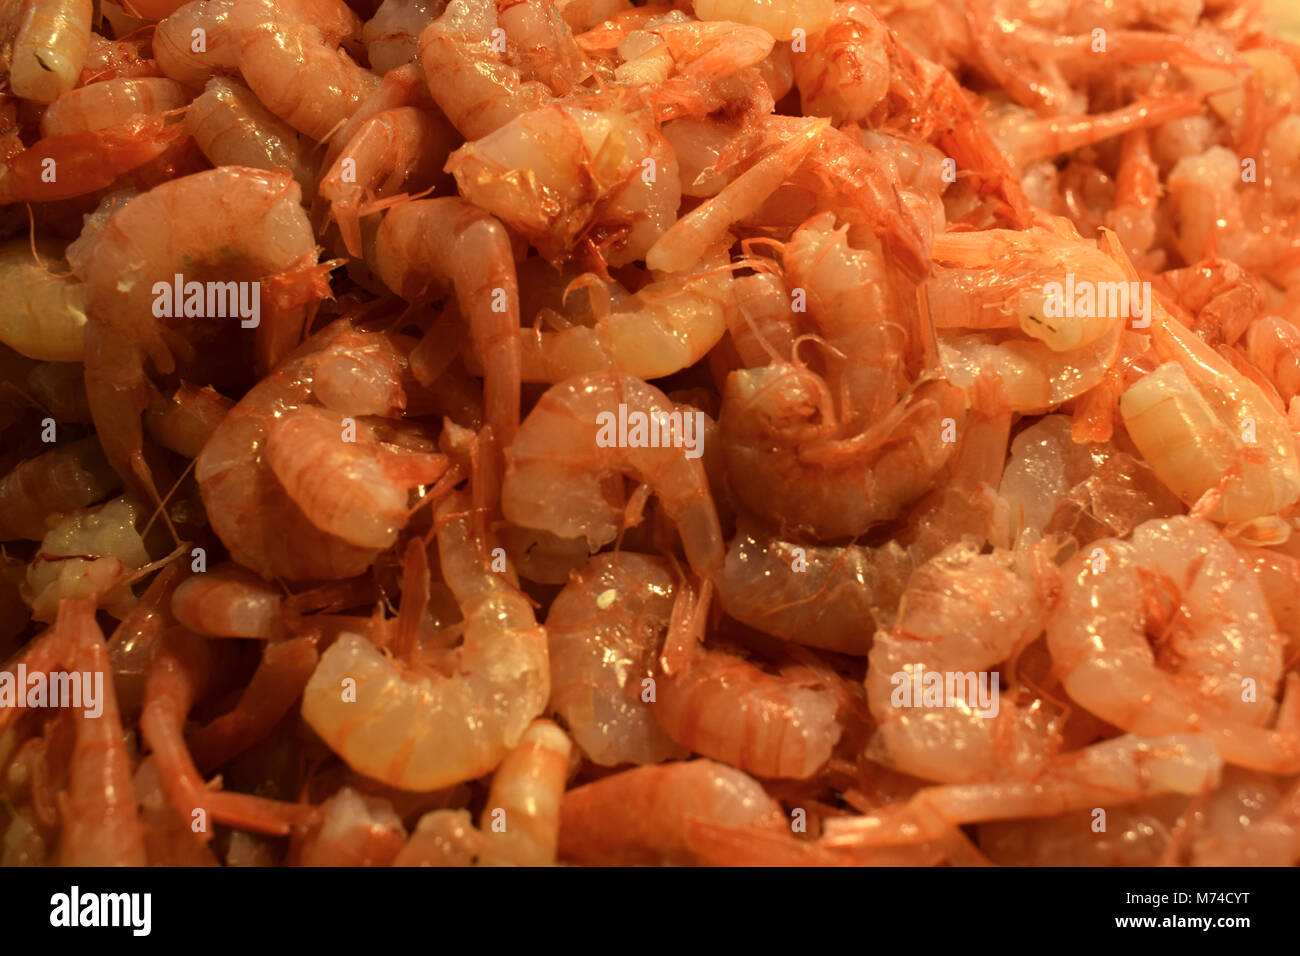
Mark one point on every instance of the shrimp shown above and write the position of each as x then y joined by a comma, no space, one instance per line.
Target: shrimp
470,79
1215,665
559,445
233,128
781,18
295,73
521,819
605,630
174,42
1273,347
430,244
1048,284
50,49
1209,433
963,613
45,317
392,35
600,172
418,730
399,150
261,524
847,69
355,830
722,707
643,816
778,431
101,823
173,229
87,554
65,479
110,103
817,595
227,601
1124,770
351,486
666,326
174,683
184,421
1135,835
76,164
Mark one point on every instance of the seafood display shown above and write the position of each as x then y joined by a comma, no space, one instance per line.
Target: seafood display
717,432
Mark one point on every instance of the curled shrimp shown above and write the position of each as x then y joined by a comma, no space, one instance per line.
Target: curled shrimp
1209,433
280,425
605,629
50,49
419,730
295,72
233,128
227,602
723,707
558,446
67,478
950,622
167,231
600,172
399,150
427,245
1213,663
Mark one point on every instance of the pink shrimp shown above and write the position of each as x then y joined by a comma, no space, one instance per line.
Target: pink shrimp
110,103
227,601
428,245
399,150
101,825
560,445
161,234
720,706
65,479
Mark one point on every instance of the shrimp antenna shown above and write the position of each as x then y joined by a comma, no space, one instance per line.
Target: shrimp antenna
31,240
162,506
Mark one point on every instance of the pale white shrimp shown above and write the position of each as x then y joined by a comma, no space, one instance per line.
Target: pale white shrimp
419,730
1215,666
392,35
819,595
50,49
111,103
1209,433
781,18
294,72
233,128
87,554
559,446
963,613
605,630
44,316
600,172
1051,484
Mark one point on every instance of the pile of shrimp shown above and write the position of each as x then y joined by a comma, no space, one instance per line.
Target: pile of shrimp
314,315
